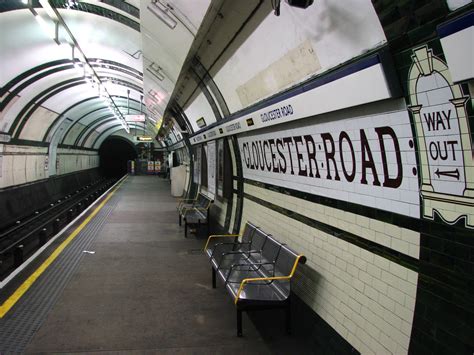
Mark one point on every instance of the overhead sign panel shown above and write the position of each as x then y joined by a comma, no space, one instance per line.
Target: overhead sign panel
135,118
368,160
201,122
144,138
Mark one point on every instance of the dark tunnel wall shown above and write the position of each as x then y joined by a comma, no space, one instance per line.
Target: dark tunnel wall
114,154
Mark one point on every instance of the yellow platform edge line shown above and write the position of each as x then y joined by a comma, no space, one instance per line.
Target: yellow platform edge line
20,291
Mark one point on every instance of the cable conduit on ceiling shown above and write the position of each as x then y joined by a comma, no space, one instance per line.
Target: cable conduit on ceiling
89,8
91,125
66,66
27,83
241,28
89,131
39,99
64,113
19,78
30,107
95,110
15,92
118,126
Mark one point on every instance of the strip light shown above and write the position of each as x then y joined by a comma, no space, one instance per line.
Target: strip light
50,31
155,72
49,10
162,12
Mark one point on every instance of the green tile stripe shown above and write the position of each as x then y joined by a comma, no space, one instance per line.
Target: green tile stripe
380,250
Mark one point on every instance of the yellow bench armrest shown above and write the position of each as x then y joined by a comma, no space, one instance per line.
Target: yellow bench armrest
255,279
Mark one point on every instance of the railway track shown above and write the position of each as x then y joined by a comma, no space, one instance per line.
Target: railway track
21,240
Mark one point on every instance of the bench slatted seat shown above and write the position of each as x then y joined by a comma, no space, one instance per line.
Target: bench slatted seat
201,201
224,254
194,212
214,250
256,271
231,268
194,218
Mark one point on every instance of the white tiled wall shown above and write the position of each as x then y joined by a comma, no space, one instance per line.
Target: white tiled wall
22,164
400,239
71,160
366,298
37,125
403,199
332,44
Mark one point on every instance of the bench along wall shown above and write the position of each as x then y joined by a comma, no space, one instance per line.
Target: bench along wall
214,184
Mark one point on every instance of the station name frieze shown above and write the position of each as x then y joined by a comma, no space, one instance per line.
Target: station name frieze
331,156
233,127
279,112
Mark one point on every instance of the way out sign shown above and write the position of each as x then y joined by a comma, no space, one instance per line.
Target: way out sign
444,144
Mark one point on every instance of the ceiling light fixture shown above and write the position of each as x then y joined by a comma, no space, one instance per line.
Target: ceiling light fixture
156,74
163,13
89,74
156,71
51,31
49,10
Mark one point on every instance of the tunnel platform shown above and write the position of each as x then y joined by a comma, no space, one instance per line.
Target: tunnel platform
127,281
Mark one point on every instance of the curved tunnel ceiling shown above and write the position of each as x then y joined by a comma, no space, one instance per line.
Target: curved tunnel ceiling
57,88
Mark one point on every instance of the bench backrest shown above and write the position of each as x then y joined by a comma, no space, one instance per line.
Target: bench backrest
248,232
203,201
284,265
271,249
259,238
286,260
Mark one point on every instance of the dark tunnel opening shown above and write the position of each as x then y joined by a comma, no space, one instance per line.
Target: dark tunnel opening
114,154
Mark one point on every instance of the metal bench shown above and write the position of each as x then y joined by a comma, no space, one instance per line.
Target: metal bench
186,203
194,212
256,270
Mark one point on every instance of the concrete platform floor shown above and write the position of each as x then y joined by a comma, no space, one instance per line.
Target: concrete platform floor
147,290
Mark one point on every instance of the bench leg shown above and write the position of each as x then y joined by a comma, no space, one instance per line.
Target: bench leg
213,277
288,317
239,323
185,229
179,222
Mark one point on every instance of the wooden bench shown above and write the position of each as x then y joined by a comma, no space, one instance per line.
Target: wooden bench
256,270
194,212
